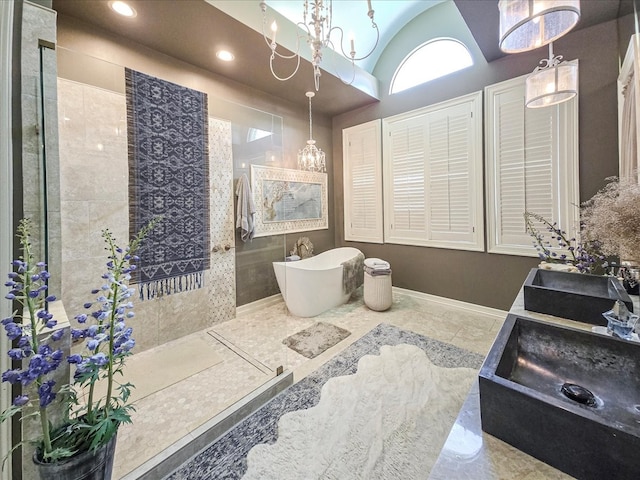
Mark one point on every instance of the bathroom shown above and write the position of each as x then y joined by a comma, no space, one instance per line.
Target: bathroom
87,54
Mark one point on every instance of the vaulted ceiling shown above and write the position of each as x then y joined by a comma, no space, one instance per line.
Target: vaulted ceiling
192,31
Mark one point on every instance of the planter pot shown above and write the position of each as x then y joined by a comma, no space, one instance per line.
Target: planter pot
96,465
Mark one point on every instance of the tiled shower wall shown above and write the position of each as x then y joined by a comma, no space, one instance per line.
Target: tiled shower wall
94,196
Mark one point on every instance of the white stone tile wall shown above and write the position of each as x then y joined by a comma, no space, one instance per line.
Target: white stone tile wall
94,196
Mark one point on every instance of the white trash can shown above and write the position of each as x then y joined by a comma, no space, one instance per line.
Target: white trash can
377,285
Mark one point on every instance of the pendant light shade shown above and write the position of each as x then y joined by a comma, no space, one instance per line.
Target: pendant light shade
552,85
554,81
530,24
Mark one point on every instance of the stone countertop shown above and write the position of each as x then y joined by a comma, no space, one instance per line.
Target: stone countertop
470,453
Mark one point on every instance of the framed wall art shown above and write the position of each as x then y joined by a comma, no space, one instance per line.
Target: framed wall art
288,201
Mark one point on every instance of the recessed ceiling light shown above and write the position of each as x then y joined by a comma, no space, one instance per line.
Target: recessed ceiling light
225,55
122,8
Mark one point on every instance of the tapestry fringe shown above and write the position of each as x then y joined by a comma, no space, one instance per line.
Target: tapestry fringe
167,286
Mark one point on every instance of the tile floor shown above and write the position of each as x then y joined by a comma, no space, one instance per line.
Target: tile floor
251,349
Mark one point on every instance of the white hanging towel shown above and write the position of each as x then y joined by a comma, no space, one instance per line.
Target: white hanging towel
246,209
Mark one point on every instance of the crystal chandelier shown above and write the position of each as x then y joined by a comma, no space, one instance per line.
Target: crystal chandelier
552,82
311,158
529,24
317,27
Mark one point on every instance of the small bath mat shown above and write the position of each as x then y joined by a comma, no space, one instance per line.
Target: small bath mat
314,340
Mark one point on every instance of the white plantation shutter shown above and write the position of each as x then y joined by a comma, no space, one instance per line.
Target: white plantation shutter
362,169
450,163
433,175
531,166
406,207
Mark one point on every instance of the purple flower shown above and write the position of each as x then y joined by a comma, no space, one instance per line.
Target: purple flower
126,346
57,335
92,331
9,296
12,376
88,305
16,354
20,400
51,323
77,334
56,356
38,365
75,358
93,344
18,263
46,393
44,350
50,298
13,330
34,293
82,318
99,359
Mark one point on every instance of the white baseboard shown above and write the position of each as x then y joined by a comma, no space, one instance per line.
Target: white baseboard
258,305
450,302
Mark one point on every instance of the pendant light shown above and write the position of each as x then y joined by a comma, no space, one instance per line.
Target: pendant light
529,24
311,158
552,82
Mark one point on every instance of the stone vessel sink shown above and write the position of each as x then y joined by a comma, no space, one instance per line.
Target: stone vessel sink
576,296
522,401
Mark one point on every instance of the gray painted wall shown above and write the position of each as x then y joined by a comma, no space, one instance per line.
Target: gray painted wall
490,279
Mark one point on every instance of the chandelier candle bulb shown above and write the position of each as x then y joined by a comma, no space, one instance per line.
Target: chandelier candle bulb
274,29
315,30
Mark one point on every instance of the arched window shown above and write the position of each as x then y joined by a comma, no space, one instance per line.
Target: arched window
431,60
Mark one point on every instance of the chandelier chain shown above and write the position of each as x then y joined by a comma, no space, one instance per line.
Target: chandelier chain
310,120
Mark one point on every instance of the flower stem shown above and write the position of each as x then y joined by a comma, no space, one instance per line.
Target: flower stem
46,436
31,307
115,285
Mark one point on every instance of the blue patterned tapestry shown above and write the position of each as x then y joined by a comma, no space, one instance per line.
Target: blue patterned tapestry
168,177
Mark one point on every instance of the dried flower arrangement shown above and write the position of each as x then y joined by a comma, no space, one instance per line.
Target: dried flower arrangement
612,217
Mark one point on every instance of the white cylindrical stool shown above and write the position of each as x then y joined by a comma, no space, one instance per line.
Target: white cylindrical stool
377,291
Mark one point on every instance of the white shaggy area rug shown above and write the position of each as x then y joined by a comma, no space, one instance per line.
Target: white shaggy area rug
387,421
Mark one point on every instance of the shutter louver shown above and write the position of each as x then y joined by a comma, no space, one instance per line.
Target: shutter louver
531,166
362,183
408,197
525,166
450,189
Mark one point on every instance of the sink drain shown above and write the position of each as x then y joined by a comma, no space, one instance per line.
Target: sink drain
579,394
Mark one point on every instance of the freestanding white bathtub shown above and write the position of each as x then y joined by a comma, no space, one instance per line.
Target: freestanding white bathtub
314,285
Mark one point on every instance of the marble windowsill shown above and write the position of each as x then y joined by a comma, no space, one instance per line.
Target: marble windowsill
470,453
